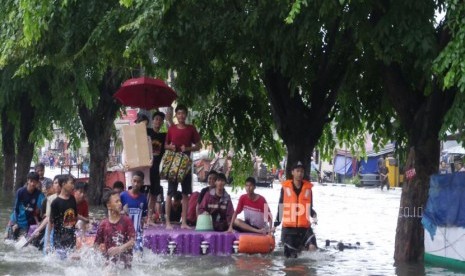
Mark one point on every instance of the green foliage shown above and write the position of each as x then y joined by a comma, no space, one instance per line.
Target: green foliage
450,62
247,131
221,53
356,180
242,167
126,3
450,66
314,175
63,54
454,121
295,10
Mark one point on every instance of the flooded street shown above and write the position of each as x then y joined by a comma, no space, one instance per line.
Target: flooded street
345,213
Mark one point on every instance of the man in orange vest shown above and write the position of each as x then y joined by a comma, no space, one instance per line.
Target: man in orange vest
295,210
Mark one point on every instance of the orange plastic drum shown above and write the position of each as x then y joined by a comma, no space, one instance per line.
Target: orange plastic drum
253,244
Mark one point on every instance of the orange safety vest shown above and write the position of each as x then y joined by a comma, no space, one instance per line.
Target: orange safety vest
296,210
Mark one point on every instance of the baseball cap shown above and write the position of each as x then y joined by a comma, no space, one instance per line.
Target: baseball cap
298,164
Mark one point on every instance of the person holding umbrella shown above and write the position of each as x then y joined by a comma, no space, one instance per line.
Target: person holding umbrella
145,93
181,138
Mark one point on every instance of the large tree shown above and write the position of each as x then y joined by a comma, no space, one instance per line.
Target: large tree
18,114
401,42
25,121
27,108
243,68
80,45
406,50
89,50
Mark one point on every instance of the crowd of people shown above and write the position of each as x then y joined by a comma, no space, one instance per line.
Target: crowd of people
457,166
58,207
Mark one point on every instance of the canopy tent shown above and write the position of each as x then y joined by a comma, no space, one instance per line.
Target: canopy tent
343,165
346,164
455,150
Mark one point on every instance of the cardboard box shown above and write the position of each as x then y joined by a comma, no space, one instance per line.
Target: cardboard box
136,146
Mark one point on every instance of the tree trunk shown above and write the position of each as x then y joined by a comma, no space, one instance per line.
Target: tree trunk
297,124
98,148
25,148
409,243
299,150
8,149
300,122
423,116
300,127
98,124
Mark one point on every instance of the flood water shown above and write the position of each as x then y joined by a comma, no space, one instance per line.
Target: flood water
345,213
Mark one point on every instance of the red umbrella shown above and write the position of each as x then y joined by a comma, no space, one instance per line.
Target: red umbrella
146,93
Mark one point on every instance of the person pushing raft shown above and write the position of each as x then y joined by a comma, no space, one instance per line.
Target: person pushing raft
295,209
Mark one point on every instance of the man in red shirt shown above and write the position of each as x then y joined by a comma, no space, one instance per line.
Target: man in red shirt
82,205
256,211
181,138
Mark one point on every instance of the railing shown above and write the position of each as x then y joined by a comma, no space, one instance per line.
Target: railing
74,170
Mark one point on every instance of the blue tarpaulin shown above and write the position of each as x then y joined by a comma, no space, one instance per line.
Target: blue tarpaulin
446,202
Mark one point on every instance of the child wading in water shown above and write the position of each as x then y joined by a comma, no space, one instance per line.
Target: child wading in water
115,235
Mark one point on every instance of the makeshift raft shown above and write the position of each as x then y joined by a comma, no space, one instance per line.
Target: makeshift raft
191,242
179,241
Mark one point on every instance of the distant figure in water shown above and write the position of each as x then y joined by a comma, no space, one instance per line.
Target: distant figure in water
116,234
383,177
